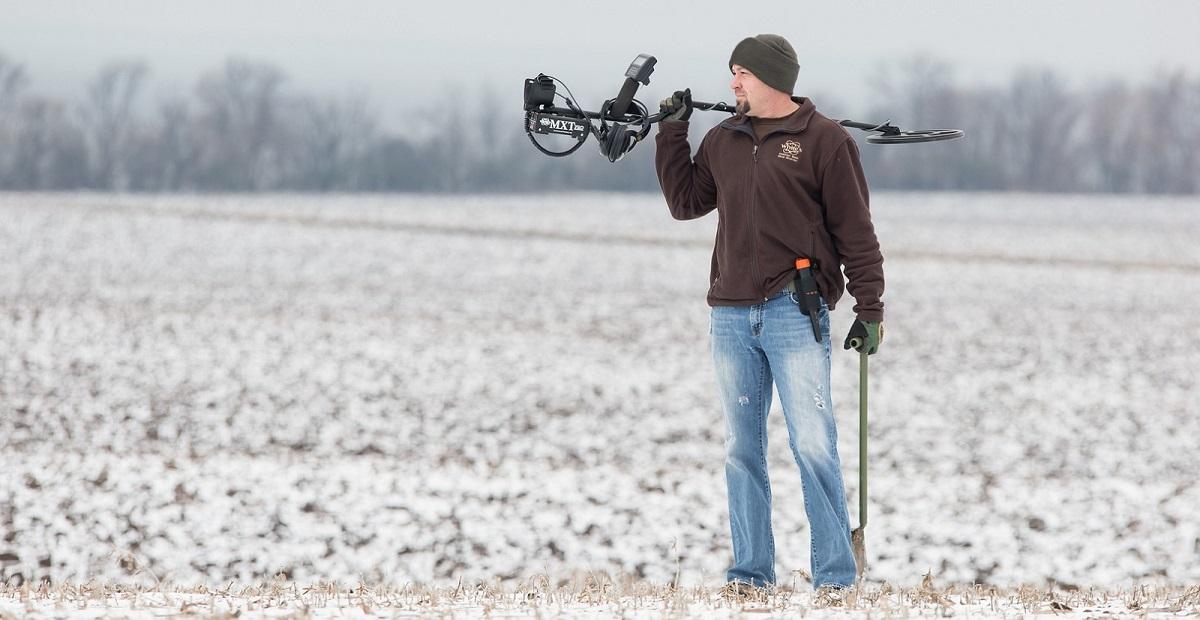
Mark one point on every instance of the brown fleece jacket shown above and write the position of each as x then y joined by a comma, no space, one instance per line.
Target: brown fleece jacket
799,192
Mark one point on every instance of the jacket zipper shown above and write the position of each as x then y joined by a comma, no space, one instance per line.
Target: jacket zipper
753,228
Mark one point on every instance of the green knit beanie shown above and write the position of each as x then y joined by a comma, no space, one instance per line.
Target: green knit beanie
770,58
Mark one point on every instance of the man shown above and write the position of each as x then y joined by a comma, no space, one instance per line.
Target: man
786,183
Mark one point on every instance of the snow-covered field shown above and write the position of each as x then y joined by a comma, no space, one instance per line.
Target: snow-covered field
588,597
422,389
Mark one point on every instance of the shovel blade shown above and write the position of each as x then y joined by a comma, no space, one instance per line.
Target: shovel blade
858,544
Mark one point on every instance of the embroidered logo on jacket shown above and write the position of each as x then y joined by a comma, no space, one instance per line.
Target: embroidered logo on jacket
790,150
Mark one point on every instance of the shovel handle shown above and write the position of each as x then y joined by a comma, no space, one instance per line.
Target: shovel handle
862,439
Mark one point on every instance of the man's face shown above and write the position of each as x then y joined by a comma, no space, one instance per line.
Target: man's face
748,89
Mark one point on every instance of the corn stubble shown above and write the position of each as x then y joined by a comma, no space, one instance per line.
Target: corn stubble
584,594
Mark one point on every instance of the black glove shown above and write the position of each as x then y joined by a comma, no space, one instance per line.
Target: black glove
864,336
678,107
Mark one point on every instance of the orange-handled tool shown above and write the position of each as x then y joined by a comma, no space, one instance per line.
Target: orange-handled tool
809,295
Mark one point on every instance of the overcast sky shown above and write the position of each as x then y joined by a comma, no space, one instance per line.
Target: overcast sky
408,54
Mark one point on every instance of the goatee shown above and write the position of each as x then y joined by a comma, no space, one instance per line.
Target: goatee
742,107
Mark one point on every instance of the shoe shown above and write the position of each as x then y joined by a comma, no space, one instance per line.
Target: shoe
831,595
741,591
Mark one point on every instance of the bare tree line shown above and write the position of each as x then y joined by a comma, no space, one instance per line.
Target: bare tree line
242,128
1038,134
240,131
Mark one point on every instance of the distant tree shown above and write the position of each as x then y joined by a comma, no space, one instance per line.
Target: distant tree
1042,119
919,93
1109,148
165,156
451,151
50,152
972,162
1168,135
12,81
239,128
333,140
109,124
1189,140
505,160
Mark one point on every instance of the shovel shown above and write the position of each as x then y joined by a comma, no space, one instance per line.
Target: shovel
858,540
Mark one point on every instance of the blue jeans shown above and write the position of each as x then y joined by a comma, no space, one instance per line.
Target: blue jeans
753,346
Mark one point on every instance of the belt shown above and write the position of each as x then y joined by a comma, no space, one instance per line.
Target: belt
790,288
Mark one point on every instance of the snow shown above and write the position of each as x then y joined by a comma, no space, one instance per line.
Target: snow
198,389
584,597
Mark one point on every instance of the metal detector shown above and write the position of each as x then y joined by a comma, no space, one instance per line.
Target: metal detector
631,120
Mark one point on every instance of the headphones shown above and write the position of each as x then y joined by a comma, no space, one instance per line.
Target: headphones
620,138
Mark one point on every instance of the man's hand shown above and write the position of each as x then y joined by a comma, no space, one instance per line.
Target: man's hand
864,336
677,106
